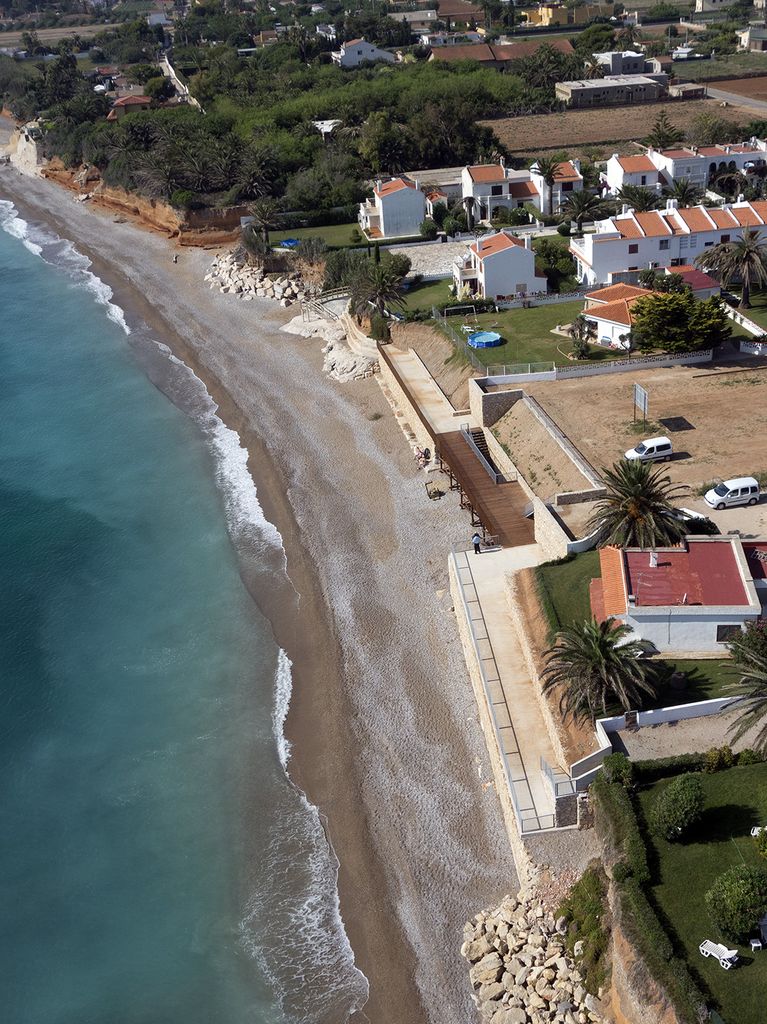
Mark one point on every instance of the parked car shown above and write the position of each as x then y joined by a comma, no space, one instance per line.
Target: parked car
654,449
743,490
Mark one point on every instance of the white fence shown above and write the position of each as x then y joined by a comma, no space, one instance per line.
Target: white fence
586,369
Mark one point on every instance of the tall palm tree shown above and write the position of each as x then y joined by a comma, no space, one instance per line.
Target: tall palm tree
593,663
265,213
745,260
732,183
637,510
593,69
468,202
580,206
752,668
379,285
686,192
639,198
547,167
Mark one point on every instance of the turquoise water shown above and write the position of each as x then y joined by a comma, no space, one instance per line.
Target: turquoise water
156,865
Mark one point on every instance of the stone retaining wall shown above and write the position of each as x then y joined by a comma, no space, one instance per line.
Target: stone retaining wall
405,406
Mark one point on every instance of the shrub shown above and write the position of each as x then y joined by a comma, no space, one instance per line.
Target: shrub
581,348
618,826
618,768
185,199
428,229
662,767
585,909
379,327
718,759
621,871
677,807
749,756
753,640
737,900
564,229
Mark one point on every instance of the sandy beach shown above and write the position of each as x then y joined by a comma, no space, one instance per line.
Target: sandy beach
383,726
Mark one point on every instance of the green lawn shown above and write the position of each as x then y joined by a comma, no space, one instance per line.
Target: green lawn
426,294
527,335
707,678
564,589
735,801
758,311
334,234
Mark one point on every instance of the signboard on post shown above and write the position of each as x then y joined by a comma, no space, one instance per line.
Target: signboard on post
640,402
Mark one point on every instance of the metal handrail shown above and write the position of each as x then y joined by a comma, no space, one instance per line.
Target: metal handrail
495,476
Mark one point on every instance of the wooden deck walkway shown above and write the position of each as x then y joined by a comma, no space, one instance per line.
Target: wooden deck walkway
498,508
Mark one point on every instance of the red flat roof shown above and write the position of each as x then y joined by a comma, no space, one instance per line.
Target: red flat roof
707,573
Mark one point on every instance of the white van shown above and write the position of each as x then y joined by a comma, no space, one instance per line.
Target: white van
742,491
655,449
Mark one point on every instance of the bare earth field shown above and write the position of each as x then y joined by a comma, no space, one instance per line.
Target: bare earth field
527,136
726,405
752,88
55,35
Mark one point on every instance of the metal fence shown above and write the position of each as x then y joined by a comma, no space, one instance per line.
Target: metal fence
458,340
509,369
495,476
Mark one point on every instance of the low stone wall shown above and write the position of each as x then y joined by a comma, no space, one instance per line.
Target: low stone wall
405,406
526,872
517,619
487,407
549,535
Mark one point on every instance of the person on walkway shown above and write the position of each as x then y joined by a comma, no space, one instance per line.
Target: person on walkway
476,540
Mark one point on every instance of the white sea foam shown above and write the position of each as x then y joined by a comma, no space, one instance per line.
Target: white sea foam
283,691
60,253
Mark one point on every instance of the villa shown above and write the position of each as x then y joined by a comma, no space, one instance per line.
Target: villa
567,179
359,51
128,105
700,166
498,266
495,186
398,208
685,600
623,245
608,310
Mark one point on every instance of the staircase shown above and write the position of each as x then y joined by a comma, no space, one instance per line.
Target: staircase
475,438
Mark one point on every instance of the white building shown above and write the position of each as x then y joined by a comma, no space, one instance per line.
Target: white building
398,208
567,179
707,6
686,600
437,39
623,245
498,266
418,21
622,62
495,186
632,170
326,31
358,51
609,312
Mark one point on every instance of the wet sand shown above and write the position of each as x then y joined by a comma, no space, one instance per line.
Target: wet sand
383,725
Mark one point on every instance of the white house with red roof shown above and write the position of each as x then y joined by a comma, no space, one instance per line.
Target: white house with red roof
685,600
128,105
496,186
567,179
609,312
623,245
699,165
398,208
358,51
498,266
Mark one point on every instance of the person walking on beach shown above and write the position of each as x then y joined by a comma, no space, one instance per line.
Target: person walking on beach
175,257
476,540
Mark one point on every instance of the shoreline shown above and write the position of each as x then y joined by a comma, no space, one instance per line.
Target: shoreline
348,633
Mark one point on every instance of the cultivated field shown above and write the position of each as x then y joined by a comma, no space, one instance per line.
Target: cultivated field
725,405
752,88
528,136
55,35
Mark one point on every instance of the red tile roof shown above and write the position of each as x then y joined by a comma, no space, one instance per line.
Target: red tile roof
130,101
567,171
613,581
473,51
616,292
653,224
695,219
706,573
492,244
487,172
520,189
513,51
695,278
636,164
395,185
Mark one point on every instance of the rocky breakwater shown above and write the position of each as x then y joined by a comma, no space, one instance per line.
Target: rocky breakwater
234,276
520,970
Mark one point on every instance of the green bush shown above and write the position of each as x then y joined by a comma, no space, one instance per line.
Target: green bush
621,871
737,900
618,768
761,843
564,229
718,759
618,827
585,910
185,199
428,230
749,756
646,772
677,807
379,327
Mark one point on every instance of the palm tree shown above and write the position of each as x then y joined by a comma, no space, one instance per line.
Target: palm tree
744,259
265,212
753,700
637,510
580,206
638,198
379,285
547,167
592,663
685,192
731,183
593,69
468,202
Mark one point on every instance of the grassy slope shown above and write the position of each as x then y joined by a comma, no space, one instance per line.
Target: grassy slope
735,800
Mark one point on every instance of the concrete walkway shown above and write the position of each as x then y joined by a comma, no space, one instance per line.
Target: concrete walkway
423,390
522,732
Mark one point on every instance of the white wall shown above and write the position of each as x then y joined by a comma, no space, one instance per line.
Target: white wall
509,272
687,628
402,212
608,333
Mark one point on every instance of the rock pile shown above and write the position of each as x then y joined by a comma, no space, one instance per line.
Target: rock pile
233,276
520,971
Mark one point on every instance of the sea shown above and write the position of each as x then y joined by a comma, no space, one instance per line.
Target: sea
157,864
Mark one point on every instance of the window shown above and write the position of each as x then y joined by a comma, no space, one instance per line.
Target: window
496,190
707,245
644,180
726,633
693,241
725,238
567,186
663,244
634,247
684,242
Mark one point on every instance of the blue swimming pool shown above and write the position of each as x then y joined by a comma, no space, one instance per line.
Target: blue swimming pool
484,339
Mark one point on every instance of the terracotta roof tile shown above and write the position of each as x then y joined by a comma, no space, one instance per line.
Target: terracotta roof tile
615,292
747,217
613,581
636,164
567,171
395,185
487,172
653,224
520,189
627,227
492,244
723,218
695,219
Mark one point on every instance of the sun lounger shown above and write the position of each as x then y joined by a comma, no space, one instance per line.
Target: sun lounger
727,957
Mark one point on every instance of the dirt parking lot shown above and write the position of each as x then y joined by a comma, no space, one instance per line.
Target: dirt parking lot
725,406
